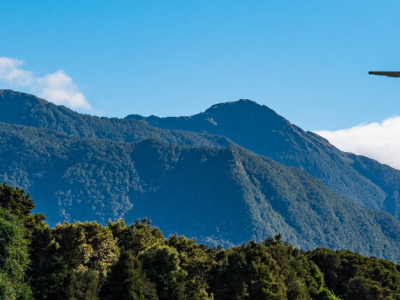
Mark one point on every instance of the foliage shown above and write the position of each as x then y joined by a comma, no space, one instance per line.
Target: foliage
196,261
161,266
352,276
87,245
20,205
136,237
119,261
81,167
88,179
126,281
14,200
247,272
14,258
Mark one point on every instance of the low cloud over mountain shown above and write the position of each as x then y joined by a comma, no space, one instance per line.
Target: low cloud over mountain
378,140
56,87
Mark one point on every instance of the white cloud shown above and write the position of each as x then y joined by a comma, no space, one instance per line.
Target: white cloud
57,87
60,89
9,72
380,141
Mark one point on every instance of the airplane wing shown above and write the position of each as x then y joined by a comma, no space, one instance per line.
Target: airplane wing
388,74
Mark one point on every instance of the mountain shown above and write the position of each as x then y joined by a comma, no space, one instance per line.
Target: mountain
24,109
261,130
183,173
254,127
220,195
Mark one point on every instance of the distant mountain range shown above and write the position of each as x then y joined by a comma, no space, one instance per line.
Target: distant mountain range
197,182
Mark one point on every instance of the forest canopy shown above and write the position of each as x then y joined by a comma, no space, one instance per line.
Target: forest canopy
121,261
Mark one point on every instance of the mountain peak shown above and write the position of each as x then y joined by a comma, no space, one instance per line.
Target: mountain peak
233,116
239,103
12,95
244,111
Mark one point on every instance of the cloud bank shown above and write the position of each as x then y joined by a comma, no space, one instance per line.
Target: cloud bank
380,141
57,87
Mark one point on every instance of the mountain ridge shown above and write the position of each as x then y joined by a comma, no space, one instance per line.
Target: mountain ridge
261,130
255,127
80,167
222,196
25,109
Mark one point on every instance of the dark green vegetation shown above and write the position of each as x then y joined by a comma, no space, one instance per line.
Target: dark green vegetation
264,132
119,261
80,168
248,124
222,196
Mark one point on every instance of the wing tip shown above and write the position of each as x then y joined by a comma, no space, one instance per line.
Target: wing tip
385,73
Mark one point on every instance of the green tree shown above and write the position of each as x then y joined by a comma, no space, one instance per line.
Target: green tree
366,288
325,294
14,258
352,276
161,264
46,268
303,280
247,272
14,200
84,253
196,262
83,284
136,237
127,281
101,247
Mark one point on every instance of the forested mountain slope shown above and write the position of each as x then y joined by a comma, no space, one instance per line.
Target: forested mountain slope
263,131
244,122
219,195
24,109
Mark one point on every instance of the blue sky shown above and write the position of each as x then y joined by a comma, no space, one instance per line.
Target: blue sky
307,60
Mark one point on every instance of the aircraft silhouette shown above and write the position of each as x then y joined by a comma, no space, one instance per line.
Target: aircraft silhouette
388,74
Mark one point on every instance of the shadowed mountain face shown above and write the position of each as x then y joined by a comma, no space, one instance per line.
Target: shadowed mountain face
264,132
219,195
